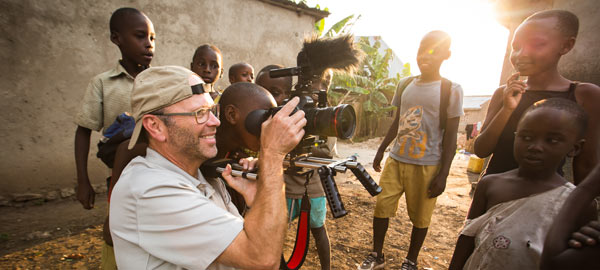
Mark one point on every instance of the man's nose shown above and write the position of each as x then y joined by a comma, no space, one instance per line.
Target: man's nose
213,121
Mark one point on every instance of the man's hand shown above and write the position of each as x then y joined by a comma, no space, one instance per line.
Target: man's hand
86,194
244,186
513,91
588,235
437,186
282,132
377,161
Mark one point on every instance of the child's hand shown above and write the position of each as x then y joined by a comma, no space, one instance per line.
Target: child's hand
513,91
437,186
588,235
377,161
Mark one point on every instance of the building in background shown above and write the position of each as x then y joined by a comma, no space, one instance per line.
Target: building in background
475,108
51,49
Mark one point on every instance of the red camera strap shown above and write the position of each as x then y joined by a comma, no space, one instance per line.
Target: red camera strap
301,246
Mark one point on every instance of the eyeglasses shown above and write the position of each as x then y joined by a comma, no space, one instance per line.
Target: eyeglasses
202,115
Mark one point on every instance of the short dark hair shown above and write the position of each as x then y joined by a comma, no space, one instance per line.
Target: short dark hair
568,23
241,93
564,105
235,67
204,47
268,68
118,17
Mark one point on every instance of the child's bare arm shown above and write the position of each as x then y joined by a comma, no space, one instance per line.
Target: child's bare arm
588,95
503,103
556,251
438,184
463,250
466,244
389,137
122,157
85,193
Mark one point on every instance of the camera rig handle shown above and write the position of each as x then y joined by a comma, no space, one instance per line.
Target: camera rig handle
327,169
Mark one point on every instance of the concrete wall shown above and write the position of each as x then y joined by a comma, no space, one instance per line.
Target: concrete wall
583,62
49,51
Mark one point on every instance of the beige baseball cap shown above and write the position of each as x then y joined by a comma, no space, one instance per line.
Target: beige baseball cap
159,87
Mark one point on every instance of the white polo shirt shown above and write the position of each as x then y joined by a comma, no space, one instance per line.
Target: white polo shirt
163,218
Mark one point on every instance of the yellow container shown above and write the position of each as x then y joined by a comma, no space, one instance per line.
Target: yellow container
475,164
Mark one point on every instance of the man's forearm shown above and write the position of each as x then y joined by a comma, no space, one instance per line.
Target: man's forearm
265,222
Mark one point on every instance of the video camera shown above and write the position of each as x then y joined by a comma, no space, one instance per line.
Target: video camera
316,57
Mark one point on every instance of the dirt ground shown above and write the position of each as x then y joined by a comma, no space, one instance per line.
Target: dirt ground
62,235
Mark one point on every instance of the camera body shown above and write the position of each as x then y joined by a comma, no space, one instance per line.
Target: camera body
321,120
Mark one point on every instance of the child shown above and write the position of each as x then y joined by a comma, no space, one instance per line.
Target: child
557,254
280,87
241,72
420,160
208,64
236,102
538,44
108,94
512,211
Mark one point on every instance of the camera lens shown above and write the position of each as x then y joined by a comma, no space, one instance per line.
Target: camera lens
338,121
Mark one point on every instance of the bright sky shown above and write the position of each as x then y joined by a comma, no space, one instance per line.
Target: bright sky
478,40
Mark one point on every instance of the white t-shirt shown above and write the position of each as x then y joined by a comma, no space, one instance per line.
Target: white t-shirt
163,218
419,139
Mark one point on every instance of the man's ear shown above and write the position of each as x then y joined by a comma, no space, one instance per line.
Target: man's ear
576,148
115,38
221,75
155,128
567,45
231,114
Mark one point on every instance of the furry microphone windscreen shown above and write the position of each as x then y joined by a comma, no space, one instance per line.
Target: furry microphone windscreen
338,53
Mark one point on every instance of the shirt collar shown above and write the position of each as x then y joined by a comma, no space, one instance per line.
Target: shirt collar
119,70
156,158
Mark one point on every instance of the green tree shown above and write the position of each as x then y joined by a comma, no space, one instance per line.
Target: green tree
337,29
370,88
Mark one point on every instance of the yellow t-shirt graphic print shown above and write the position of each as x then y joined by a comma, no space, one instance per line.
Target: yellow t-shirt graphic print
409,133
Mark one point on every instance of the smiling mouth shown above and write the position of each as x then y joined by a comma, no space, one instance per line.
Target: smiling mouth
208,136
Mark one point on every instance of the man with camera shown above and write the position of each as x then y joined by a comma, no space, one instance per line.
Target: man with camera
165,214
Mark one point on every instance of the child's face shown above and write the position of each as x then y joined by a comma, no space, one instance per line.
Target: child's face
136,40
431,54
543,138
278,87
322,84
537,46
244,73
207,64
